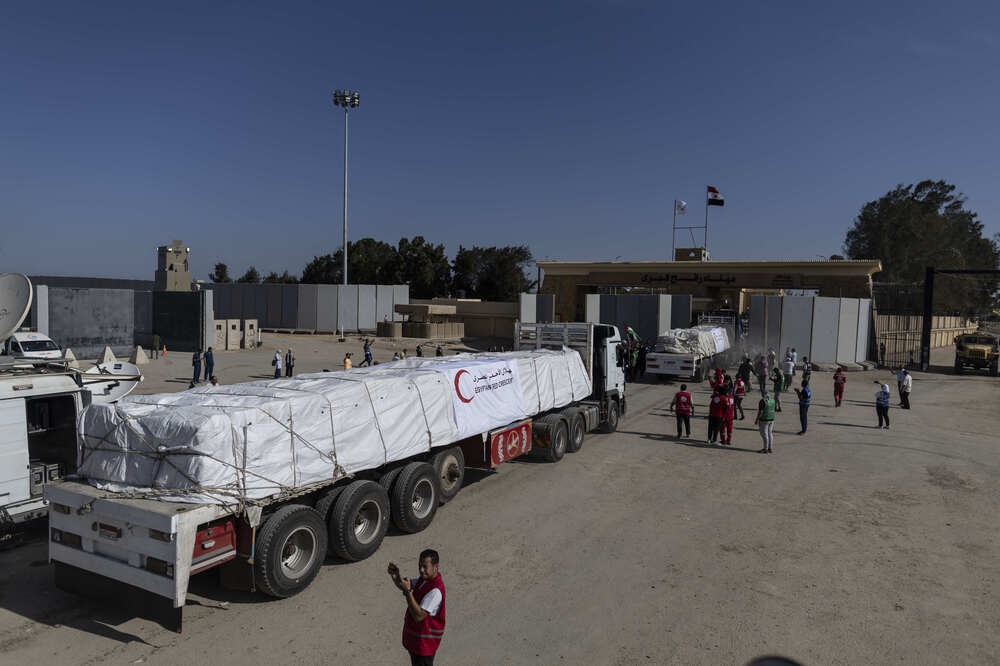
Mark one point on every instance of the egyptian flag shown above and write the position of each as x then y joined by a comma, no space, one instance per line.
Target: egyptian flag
714,198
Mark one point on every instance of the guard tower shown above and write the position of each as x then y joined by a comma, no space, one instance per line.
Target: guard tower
172,272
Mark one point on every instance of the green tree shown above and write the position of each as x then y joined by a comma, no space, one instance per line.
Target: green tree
424,266
221,274
369,261
251,276
492,273
284,278
927,224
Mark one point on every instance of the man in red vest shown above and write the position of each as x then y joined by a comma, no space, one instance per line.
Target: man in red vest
739,392
716,414
839,380
683,408
423,624
727,419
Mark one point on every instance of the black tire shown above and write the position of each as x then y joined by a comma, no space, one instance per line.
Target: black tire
359,520
449,465
389,478
289,550
611,424
993,370
577,430
415,497
326,501
558,437
958,367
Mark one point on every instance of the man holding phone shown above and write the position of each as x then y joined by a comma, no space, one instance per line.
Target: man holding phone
423,624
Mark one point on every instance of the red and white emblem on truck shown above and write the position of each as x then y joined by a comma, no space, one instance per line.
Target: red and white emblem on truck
458,386
510,443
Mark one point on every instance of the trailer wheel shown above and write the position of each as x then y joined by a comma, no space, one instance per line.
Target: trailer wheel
389,478
450,468
415,497
289,550
577,431
326,501
359,520
558,437
612,423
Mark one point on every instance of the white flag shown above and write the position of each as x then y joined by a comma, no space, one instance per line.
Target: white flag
680,207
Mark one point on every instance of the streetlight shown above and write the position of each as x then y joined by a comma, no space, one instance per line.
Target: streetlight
349,100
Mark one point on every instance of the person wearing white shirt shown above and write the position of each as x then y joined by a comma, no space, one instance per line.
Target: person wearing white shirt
904,394
788,370
276,362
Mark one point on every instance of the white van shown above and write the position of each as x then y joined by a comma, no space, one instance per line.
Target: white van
38,414
31,344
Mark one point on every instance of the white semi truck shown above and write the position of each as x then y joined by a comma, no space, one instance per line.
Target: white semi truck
129,543
689,352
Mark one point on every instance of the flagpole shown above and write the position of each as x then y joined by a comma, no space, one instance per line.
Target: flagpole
706,221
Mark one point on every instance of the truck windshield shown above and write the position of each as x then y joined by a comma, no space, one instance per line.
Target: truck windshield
38,346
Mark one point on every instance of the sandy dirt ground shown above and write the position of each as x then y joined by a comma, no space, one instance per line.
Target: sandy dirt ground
847,545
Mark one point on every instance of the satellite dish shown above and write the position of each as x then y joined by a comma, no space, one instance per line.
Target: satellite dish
110,382
15,302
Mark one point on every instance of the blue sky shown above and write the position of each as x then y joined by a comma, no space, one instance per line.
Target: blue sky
566,126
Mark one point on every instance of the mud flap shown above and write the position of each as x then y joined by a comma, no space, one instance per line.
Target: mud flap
121,596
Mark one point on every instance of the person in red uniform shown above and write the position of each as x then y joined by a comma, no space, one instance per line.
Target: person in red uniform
839,381
716,413
423,624
727,419
716,379
739,392
683,409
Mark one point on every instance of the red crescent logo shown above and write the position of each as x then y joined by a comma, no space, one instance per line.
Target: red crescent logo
458,391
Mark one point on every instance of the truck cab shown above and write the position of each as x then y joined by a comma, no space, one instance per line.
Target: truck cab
979,351
30,344
38,415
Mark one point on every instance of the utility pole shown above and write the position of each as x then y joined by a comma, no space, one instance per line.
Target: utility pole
349,100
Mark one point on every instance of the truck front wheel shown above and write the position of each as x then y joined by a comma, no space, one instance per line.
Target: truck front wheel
415,497
290,549
611,424
993,369
359,520
958,367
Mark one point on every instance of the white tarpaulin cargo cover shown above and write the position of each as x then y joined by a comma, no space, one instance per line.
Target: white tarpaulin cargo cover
700,340
244,442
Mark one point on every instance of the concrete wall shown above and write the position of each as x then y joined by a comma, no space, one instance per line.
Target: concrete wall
527,309
347,307
307,306
592,309
826,328
796,325
367,307
664,312
862,351
326,308
847,336
648,314
772,329
681,310
758,312
142,319
310,307
88,319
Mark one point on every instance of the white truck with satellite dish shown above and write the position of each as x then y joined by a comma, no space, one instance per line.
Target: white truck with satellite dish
40,400
689,352
264,478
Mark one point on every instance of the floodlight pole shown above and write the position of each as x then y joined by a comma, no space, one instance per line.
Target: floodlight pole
345,194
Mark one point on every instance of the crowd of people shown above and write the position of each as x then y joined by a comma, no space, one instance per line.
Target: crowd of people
725,405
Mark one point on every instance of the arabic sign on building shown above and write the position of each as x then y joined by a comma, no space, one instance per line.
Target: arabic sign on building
695,278
485,393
